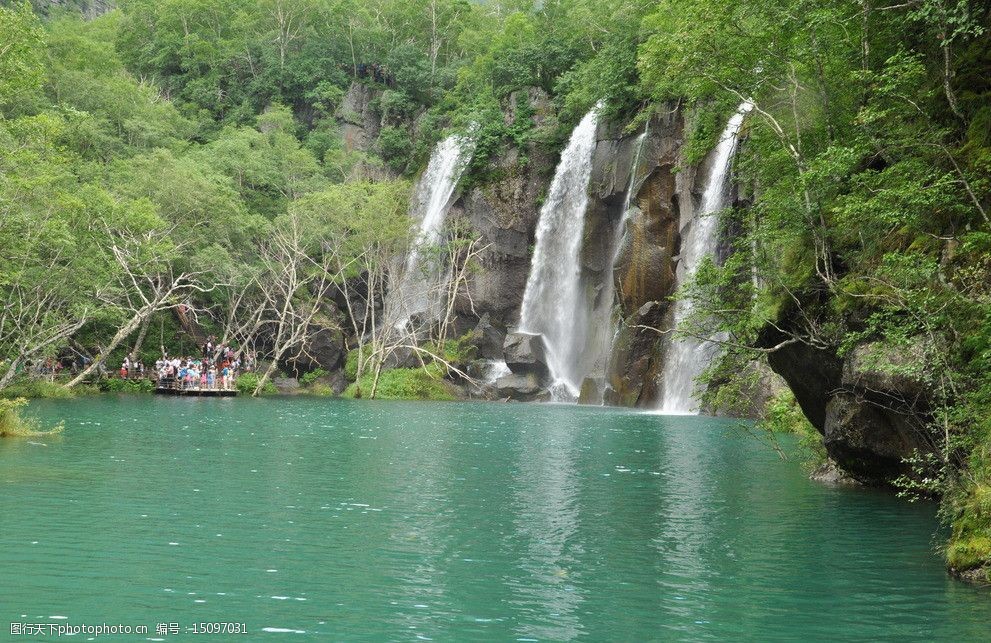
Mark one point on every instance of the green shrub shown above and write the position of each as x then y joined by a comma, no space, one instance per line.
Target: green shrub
35,389
969,509
310,378
395,146
783,415
12,424
404,384
247,382
320,389
117,385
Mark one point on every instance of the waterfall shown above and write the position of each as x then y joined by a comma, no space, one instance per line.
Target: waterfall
493,370
688,357
415,291
554,303
634,179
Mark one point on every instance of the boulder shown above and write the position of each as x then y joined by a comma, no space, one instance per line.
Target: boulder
487,339
324,349
635,362
286,385
867,439
521,388
591,391
871,410
526,354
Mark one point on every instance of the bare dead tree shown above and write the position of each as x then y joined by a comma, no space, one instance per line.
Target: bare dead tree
146,281
424,337
293,286
33,320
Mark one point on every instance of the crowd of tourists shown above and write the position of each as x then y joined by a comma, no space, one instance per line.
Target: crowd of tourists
216,368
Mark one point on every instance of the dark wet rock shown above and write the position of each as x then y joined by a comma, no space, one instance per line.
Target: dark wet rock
526,354
286,385
487,339
643,249
521,388
591,391
634,363
979,576
870,410
868,439
324,349
831,474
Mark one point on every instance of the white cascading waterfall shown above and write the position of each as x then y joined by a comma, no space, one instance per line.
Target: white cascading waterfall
688,357
554,303
415,291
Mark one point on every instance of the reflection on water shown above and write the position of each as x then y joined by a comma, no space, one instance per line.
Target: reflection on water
376,520
546,520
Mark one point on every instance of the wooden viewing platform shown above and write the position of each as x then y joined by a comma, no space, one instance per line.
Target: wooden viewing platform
172,387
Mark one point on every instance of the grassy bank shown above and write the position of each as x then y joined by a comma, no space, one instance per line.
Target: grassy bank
403,384
13,424
33,389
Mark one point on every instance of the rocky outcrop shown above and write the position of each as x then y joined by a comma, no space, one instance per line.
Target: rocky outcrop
870,408
526,354
90,9
645,251
521,388
324,349
360,122
635,361
504,211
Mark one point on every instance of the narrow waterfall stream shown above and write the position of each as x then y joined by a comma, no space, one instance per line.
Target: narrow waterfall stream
554,304
414,293
688,357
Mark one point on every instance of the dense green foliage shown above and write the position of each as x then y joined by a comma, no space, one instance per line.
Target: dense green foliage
784,416
868,155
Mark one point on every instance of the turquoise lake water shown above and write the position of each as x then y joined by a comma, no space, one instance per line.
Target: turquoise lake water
311,519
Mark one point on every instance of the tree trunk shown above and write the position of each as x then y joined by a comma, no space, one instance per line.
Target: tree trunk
141,336
122,334
264,378
947,77
375,382
9,374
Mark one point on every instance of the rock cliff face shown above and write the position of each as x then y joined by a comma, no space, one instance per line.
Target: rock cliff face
89,9
871,411
645,251
505,212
